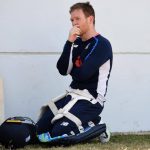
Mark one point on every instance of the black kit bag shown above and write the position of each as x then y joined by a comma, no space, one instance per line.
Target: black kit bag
16,132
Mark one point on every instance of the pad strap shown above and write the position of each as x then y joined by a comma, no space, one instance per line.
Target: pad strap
76,120
52,104
53,107
76,95
70,116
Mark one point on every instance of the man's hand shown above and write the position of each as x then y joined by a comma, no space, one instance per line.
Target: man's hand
74,32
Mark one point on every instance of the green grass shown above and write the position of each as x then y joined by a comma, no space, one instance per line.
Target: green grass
117,142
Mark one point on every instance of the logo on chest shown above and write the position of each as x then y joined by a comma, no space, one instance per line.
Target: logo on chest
78,62
87,46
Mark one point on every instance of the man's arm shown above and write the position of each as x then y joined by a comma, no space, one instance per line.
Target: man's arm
63,62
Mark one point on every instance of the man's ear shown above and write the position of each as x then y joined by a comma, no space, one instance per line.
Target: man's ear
91,19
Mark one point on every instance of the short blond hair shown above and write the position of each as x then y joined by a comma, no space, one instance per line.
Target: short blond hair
86,8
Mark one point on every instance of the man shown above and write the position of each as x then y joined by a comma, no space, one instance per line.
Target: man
87,57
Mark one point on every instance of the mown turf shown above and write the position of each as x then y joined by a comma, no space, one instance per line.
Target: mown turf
117,142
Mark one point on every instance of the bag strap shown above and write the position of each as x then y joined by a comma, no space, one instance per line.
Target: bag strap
20,119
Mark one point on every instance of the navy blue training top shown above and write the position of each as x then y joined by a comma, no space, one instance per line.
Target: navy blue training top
89,63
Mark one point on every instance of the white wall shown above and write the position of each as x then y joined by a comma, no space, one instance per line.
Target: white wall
32,34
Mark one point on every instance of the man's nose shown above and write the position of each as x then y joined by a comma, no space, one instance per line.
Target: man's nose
74,23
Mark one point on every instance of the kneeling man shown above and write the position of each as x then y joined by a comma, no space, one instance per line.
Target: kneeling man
87,58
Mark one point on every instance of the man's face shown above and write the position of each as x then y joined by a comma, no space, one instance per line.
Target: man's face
80,20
